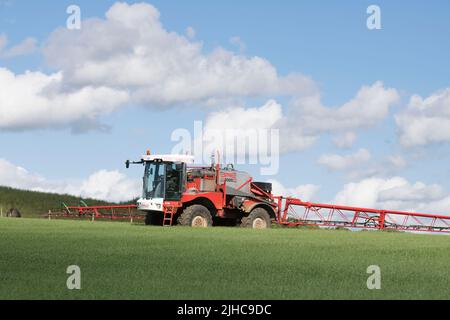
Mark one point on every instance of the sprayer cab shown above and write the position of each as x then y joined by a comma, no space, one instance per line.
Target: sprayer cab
163,180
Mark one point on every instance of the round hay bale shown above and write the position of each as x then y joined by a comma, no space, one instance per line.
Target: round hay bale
13,213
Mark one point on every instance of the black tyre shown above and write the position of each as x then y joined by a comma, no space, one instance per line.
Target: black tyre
195,216
258,218
154,218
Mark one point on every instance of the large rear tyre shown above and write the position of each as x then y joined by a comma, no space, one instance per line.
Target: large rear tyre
258,218
154,219
196,216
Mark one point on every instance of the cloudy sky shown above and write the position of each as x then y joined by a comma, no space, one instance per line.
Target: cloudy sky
363,115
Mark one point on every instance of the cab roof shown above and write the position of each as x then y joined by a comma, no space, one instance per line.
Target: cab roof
169,158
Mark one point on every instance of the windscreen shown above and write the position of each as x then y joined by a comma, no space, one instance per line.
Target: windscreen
154,180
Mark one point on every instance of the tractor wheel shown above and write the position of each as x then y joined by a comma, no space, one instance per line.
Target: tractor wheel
257,219
195,216
154,219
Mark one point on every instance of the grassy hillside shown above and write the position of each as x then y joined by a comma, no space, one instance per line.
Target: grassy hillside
124,261
34,204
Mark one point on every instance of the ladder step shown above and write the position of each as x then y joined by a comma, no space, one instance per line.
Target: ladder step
168,217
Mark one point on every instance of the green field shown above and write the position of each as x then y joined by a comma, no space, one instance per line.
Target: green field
124,261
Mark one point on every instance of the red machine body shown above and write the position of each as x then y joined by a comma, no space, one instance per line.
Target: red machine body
213,195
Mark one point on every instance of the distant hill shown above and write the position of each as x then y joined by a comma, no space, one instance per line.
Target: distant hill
35,204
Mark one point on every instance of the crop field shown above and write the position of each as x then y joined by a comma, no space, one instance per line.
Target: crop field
125,261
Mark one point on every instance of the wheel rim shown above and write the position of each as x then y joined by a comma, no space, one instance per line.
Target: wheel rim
259,223
199,222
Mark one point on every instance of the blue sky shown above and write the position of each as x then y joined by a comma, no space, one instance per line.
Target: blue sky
327,41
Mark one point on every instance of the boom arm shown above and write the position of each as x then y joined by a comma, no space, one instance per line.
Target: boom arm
294,212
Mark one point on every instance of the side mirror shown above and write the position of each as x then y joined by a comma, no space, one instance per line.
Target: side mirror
127,164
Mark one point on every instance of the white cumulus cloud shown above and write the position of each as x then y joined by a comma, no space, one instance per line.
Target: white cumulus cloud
35,100
262,117
238,133
370,105
306,192
130,49
129,57
301,124
395,193
110,185
339,162
307,118
425,120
